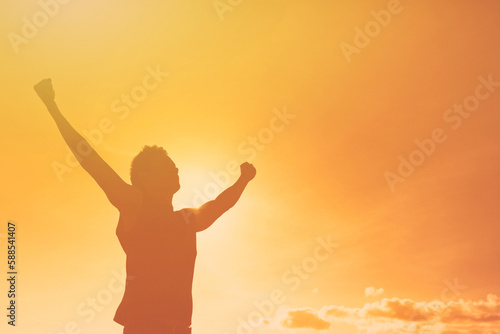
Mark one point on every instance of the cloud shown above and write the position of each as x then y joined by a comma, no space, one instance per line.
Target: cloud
305,318
396,315
372,292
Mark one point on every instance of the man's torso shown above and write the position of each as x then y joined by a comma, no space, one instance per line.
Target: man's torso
161,252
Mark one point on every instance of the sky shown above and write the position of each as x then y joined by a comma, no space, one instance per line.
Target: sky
373,126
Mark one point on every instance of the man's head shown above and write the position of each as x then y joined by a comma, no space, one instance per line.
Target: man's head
152,170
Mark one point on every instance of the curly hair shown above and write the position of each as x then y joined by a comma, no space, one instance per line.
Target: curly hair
142,161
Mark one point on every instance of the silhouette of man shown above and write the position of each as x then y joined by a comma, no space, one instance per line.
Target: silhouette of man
160,243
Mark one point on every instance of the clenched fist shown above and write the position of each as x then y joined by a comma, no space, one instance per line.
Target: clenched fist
247,171
45,90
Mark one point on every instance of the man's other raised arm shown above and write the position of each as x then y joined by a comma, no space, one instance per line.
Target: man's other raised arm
209,212
119,193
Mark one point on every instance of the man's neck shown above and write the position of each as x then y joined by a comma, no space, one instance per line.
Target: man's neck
159,200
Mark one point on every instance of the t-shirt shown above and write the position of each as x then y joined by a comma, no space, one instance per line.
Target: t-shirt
161,252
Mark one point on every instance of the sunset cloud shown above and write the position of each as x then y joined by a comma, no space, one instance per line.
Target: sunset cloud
373,292
305,318
397,315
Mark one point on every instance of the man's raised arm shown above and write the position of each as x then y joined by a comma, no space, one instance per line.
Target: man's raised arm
209,212
119,193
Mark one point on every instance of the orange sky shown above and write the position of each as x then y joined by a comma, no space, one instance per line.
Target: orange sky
269,82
